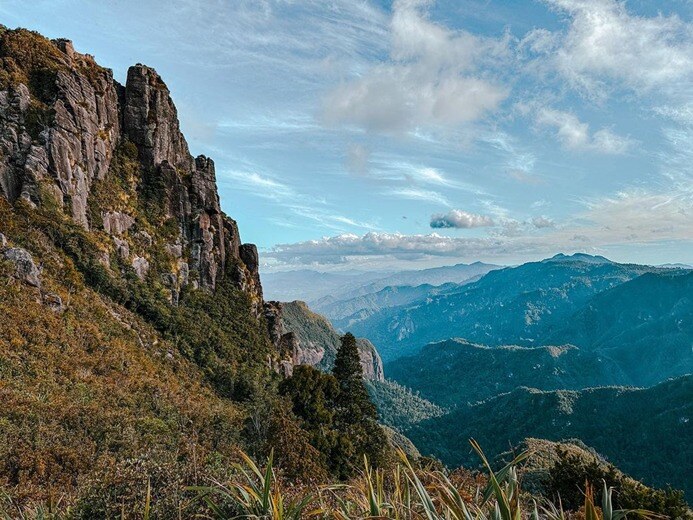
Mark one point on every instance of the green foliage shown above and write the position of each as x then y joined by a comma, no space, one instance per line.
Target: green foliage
336,411
616,422
313,394
253,494
398,406
567,475
477,372
356,418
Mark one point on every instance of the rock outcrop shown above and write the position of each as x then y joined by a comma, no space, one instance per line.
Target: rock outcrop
62,120
306,338
25,268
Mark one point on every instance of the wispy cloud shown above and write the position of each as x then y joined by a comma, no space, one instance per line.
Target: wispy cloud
429,79
575,135
605,47
419,194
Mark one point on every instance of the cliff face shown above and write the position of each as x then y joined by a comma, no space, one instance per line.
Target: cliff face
307,338
63,120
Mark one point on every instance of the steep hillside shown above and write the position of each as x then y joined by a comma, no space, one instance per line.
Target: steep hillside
650,317
455,372
508,306
654,423
135,344
311,340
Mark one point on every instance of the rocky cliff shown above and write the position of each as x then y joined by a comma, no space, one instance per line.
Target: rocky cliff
307,338
68,129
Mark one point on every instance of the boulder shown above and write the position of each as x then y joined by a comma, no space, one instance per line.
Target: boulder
25,268
122,248
141,267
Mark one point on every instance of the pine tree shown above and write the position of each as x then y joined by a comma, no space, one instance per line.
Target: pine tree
353,401
356,418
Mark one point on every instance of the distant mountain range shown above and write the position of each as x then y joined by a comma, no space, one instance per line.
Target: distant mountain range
523,305
654,423
557,349
321,290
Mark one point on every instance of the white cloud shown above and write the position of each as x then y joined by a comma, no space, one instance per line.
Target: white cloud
338,249
430,79
606,47
459,219
575,135
628,218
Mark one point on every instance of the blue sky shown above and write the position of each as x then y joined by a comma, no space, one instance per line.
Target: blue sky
373,134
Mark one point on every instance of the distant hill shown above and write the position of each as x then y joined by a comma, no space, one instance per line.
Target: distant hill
649,318
654,423
309,285
455,372
507,306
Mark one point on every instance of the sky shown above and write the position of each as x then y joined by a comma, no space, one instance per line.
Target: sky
370,134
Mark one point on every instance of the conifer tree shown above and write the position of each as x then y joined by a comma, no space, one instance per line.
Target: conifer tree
356,418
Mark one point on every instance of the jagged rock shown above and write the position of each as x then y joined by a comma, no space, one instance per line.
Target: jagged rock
3,241
183,273
175,250
141,267
117,223
304,356
81,121
272,313
25,268
53,301
251,259
122,248
204,186
75,133
371,363
150,120
65,46
312,340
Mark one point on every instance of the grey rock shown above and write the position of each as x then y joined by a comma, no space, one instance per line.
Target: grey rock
150,120
76,143
25,268
141,267
175,250
3,241
117,223
122,248
89,116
